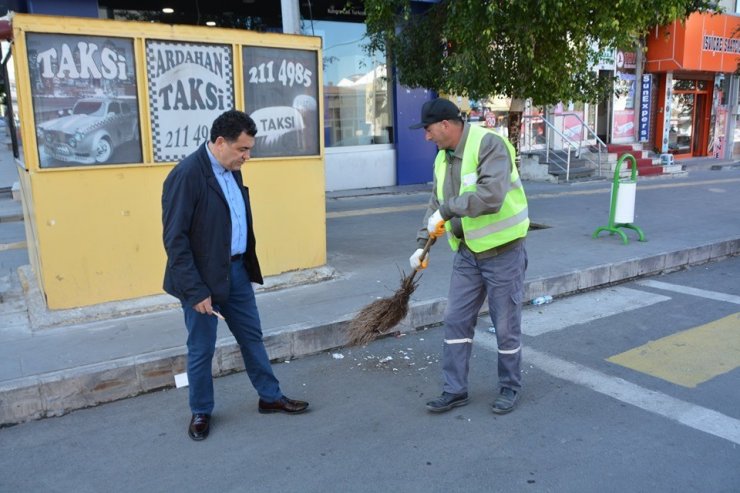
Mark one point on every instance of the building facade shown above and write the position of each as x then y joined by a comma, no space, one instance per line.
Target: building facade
681,99
693,65
367,112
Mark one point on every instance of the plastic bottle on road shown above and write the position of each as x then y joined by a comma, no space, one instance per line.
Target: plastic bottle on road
542,300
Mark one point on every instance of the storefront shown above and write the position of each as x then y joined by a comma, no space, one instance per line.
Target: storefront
578,124
693,64
623,107
358,98
367,112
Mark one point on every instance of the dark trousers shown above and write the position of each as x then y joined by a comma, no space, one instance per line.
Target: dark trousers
243,320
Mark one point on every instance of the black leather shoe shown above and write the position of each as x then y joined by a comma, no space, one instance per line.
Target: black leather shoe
200,425
447,401
282,405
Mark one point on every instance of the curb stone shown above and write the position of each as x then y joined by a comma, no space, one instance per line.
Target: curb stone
57,393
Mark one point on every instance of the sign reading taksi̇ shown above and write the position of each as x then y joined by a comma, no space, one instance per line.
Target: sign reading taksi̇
281,95
84,100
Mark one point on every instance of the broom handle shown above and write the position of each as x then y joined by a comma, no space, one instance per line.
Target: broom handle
423,254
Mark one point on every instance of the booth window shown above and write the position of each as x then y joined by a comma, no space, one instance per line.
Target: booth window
281,95
10,121
357,87
189,85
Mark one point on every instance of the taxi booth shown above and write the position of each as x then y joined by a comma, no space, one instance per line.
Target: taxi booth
104,110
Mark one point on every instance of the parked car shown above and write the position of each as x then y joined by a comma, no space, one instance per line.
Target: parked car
91,132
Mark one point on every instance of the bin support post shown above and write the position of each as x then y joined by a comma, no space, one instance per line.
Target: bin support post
614,227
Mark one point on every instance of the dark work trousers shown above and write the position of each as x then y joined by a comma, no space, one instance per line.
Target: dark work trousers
501,279
243,320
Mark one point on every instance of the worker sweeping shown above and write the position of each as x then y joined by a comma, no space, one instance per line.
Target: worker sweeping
478,199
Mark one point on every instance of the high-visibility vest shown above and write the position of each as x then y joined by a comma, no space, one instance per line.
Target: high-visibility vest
490,230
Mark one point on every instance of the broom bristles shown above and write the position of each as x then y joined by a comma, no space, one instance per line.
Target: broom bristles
380,316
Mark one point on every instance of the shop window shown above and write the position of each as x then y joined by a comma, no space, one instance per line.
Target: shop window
575,117
495,114
735,104
681,124
724,89
357,87
683,85
623,125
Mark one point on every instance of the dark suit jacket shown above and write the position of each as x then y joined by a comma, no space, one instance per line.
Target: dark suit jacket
197,232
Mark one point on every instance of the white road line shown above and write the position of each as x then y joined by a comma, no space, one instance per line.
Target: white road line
702,293
586,307
691,415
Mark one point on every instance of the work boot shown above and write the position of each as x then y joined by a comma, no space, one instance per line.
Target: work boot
506,401
447,401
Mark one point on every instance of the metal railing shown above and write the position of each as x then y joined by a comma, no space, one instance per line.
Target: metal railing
555,158
599,143
526,144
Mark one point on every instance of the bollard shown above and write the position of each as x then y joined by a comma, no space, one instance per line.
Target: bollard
622,209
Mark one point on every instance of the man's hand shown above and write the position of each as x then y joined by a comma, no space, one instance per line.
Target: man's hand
204,307
436,225
415,261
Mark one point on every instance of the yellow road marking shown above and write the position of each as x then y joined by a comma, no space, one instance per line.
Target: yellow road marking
12,246
690,357
376,210
421,206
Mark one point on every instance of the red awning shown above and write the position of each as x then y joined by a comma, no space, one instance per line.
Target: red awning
704,42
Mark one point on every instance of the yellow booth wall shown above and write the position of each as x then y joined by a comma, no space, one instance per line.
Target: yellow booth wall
94,232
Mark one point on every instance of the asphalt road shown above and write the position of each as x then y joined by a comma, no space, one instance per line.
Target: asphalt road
630,388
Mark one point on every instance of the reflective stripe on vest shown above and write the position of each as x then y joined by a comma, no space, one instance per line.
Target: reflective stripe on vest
491,230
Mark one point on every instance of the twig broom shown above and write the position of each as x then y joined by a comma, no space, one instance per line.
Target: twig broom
382,315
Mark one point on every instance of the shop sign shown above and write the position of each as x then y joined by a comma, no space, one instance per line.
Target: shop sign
626,59
606,60
721,44
667,109
281,95
342,11
645,102
189,86
84,100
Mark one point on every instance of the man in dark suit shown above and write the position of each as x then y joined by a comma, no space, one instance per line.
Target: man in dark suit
212,263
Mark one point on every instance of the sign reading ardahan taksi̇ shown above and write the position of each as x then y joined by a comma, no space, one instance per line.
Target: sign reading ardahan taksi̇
189,86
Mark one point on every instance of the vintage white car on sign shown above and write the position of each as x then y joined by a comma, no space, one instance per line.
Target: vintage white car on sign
91,132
